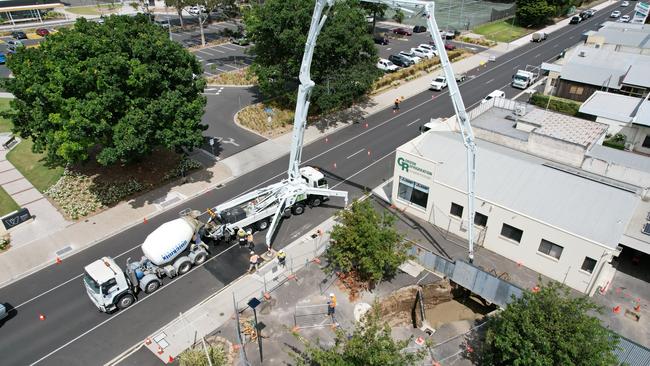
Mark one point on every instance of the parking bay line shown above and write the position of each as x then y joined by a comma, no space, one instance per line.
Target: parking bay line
413,122
360,151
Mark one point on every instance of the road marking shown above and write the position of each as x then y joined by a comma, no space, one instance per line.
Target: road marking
360,151
555,45
214,49
489,81
572,37
388,49
413,122
362,170
537,55
130,307
209,54
209,63
234,67
224,46
516,67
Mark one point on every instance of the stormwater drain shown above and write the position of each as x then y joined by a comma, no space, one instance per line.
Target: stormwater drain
61,252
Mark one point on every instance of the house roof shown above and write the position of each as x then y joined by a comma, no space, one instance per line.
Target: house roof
606,68
625,34
577,203
617,107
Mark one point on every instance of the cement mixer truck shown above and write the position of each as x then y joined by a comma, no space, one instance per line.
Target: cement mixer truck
170,250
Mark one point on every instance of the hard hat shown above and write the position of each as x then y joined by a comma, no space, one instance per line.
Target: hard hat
331,294
252,252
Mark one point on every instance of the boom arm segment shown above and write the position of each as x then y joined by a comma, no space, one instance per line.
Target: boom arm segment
457,101
304,90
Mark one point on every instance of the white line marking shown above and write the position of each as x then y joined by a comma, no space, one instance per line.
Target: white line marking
360,151
555,45
489,81
362,170
413,122
537,55
234,67
516,67
209,54
214,49
130,307
572,37
229,49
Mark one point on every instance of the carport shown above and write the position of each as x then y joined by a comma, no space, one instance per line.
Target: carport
25,11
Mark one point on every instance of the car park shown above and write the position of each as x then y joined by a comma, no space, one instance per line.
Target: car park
18,35
624,19
386,65
423,53
615,14
625,3
575,20
381,40
411,56
42,32
400,60
538,37
419,29
403,31
438,83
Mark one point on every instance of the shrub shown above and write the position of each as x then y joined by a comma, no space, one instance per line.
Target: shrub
560,105
616,142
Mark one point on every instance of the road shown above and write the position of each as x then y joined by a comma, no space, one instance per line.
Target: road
355,159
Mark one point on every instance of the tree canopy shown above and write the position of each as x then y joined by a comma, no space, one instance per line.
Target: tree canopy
370,344
548,328
344,60
366,242
536,13
113,92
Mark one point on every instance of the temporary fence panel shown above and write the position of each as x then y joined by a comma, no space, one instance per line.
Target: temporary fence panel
432,262
632,354
486,285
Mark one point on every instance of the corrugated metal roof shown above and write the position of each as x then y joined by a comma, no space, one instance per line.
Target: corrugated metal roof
639,74
617,107
620,157
522,183
631,354
606,67
634,35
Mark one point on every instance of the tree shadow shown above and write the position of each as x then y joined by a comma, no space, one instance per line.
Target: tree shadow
353,114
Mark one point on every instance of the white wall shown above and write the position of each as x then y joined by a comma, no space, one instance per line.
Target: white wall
567,269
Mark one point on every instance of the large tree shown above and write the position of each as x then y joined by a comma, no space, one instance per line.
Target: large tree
548,327
375,11
370,344
534,13
344,60
113,92
366,242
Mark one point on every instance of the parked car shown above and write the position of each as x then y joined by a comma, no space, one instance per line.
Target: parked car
615,14
423,53
538,37
419,29
162,23
625,3
400,60
430,47
386,65
381,40
42,32
591,12
494,94
446,34
575,20
15,43
449,46
438,83
585,15
18,35
194,10
3,58
411,56
403,31
625,19
241,41
461,77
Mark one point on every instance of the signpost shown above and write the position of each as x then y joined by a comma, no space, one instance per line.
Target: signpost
16,218
253,303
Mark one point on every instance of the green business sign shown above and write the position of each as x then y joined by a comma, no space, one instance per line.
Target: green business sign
410,166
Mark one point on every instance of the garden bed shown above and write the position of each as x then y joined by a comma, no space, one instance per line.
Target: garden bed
88,189
236,77
256,117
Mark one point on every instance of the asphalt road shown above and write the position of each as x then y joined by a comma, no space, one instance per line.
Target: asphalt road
228,138
74,333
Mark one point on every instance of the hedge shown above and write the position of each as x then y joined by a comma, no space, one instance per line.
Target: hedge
560,105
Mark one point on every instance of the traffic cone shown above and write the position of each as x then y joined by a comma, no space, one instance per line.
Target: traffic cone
147,341
536,289
170,359
334,165
326,139
145,220
295,329
368,152
41,317
419,341
58,260
366,124
617,309
637,308
267,296
160,350
316,260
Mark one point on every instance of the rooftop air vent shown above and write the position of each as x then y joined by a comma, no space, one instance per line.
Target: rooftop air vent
582,54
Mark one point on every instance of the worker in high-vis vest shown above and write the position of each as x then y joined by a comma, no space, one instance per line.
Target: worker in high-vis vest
282,257
249,240
241,235
331,305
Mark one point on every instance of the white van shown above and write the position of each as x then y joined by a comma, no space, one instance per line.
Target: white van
494,94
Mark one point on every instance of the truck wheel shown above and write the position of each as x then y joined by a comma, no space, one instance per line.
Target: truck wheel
125,301
316,201
287,213
298,209
182,265
200,258
151,286
262,225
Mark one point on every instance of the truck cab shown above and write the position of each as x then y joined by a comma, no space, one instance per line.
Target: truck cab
107,286
523,79
313,177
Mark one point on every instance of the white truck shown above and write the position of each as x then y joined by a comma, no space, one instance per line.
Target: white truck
438,83
170,250
523,79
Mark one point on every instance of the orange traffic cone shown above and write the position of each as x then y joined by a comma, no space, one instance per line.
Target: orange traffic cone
617,309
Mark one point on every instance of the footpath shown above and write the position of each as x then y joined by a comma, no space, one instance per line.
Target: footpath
221,307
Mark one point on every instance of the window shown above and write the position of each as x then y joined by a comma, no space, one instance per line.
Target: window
413,192
588,265
480,219
550,249
576,90
456,210
646,142
511,232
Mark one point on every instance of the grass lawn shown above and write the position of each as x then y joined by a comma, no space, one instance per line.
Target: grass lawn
7,205
93,9
502,31
5,124
31,166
